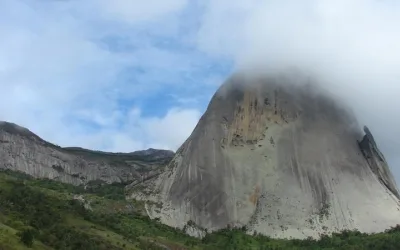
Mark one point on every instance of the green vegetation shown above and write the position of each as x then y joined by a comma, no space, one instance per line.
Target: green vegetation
43,214
26,237
116,158
114,191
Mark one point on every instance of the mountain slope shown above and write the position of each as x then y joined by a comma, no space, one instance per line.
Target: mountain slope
279,157
22,150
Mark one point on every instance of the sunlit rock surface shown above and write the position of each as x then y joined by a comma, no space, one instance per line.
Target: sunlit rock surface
282,159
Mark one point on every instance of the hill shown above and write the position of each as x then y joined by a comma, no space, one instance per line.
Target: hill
44,214
22,150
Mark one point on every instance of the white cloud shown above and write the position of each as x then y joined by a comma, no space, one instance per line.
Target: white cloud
63,85
172,129
135,132
353,45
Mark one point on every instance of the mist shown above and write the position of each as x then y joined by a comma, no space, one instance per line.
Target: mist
352,48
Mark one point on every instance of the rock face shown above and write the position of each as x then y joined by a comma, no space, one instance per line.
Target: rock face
282,159
22,150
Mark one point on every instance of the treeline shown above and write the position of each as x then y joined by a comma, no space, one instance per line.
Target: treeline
114,191
346,240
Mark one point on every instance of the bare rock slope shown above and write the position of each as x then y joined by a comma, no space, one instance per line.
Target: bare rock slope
280,158
22,150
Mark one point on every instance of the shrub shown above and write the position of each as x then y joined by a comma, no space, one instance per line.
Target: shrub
26,237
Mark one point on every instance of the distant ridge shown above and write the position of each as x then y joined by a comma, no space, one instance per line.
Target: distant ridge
22,150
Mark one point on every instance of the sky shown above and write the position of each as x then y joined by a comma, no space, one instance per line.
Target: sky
125,75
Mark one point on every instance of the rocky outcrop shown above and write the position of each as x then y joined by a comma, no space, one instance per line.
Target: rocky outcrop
377,162
279,157
22,150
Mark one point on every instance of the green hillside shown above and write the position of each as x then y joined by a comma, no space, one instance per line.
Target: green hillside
43,214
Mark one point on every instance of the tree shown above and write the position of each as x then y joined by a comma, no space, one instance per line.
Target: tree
26,237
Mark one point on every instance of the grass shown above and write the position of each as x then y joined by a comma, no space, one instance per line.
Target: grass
10,241
100,231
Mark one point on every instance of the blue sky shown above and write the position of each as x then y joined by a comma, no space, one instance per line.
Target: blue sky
123,75
100,74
